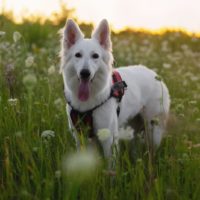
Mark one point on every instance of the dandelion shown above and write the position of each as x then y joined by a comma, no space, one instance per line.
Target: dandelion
145,42
179,107
198,120
196,145
194,78
2,33
184,47
164,46
126,133
13,102
166,65
51,70
29,81
48,134
103,134
16,36
192,102
80,164
29,61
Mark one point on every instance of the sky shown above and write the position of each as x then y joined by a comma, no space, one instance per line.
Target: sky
148,14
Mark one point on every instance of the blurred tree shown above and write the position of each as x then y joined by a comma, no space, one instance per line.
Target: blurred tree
59,18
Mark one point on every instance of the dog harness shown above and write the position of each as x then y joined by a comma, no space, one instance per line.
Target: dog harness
84,120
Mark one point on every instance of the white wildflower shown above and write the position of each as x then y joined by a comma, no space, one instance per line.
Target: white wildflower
103,134
51,70
80,164
166,65
29,81
13,102
196,145
194,78
146,42
192,102
184,47
16,36
2,33
179,107
48,134
164,46
198,120
126,133
29,61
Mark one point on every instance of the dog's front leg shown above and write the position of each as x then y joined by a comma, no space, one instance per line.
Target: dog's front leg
107,146
110,147
106,118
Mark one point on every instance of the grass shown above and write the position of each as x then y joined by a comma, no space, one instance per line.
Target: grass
32,101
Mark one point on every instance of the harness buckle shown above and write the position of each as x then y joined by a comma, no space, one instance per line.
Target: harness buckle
117,90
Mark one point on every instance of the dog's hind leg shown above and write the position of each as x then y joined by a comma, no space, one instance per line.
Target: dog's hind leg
157,135
158,128
154,131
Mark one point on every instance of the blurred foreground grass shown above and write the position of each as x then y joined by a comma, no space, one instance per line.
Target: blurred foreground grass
34,137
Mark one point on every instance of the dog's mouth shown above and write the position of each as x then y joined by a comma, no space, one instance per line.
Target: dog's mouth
84,89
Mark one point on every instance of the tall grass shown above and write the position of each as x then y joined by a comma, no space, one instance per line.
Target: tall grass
34,136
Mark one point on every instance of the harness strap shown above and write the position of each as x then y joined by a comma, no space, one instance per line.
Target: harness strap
82,121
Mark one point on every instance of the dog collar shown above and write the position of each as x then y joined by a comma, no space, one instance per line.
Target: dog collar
83,121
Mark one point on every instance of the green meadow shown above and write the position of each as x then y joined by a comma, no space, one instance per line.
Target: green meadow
37,160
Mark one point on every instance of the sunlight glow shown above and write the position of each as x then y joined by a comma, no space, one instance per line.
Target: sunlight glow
148,14
24,8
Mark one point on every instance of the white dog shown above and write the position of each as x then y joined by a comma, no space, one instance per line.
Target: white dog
86,66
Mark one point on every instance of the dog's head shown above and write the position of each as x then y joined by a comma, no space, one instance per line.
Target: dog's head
86,64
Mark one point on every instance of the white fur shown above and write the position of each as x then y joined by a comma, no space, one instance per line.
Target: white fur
145,94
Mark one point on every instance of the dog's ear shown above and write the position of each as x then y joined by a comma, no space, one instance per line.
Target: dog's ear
71,34
102,34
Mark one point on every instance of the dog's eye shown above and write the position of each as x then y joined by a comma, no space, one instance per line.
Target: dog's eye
95,55
78,55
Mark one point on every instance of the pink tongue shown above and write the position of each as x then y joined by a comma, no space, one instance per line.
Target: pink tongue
83,90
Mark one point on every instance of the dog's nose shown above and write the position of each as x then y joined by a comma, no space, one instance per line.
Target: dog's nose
85,74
